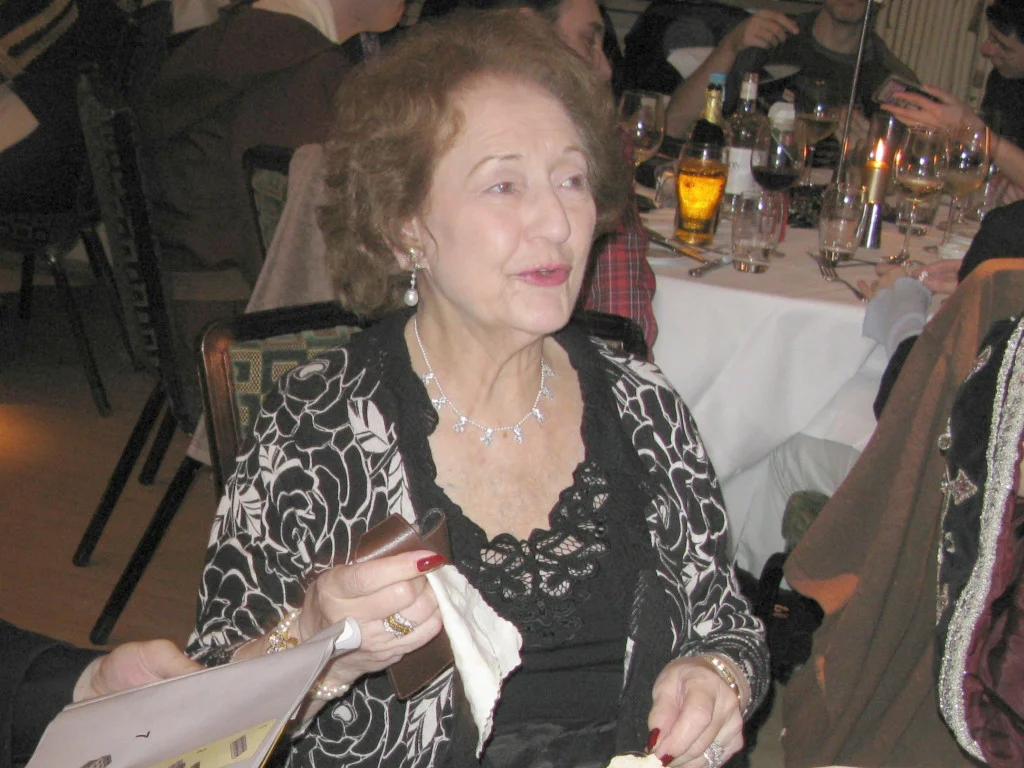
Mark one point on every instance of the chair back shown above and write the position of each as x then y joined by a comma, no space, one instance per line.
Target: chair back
619,333
111,142
266,174
242,357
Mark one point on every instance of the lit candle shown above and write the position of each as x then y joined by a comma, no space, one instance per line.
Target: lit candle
876,173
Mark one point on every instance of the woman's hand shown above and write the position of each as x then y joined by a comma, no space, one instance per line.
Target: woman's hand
947,113
369,593
939,277
132,665
693,707
764,29
887,274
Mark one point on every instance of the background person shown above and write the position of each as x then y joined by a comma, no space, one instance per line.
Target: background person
823,44
39,676
468,171
264,73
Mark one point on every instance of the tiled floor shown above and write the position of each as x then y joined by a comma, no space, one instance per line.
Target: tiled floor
56,454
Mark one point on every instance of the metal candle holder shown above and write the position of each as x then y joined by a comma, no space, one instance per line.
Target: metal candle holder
853,88
883,140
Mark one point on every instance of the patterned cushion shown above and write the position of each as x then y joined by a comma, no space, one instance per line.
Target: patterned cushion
257,365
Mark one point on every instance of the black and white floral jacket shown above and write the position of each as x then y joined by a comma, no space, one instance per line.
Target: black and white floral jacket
327,463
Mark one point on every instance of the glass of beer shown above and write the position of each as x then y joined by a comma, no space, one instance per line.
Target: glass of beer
700,183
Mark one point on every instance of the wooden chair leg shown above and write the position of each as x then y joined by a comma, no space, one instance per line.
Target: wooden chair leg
101,269
158,449
119,477
144,551
92,371
28,273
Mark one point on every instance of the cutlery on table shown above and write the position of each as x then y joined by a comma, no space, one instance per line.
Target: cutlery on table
691,251
852,261
830,275
710,266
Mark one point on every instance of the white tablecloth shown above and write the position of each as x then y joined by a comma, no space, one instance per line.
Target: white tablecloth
776,371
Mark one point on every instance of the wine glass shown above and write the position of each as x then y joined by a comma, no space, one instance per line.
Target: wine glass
969,156
642,115
920,166
816,119
777,159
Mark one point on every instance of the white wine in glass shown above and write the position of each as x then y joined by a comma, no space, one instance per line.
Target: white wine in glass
816,119
642,116
919,170
969,156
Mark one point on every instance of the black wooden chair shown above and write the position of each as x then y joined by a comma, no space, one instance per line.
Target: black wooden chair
46,237
110,133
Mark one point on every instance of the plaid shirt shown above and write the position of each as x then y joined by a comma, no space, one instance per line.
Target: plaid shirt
621,282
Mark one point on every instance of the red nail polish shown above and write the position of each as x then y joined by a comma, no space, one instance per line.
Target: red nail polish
652,740
430,563
666,759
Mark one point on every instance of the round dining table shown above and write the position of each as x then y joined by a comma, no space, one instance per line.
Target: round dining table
775,369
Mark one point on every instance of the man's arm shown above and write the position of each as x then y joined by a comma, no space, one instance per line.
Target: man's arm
39,676
764,29
948,113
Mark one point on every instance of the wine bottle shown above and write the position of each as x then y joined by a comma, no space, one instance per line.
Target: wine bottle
743,129
709,128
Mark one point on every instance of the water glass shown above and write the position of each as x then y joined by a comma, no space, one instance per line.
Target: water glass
925,218
756,228
842,221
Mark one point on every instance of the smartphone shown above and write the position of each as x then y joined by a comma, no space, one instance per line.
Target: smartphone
893,86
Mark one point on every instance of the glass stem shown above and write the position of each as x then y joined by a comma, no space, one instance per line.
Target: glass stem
951,221
904,253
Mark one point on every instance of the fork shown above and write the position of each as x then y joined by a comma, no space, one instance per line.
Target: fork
831,276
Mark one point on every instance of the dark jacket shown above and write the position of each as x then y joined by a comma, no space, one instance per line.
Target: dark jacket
254,77
37,679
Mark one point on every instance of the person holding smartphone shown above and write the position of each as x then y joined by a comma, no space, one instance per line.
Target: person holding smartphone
1002,107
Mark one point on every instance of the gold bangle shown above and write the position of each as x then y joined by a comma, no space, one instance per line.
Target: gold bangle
725,673
281,639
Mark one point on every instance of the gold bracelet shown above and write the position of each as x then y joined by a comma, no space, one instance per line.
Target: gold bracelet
281,639
725,673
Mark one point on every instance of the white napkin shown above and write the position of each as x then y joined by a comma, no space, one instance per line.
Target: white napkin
485,646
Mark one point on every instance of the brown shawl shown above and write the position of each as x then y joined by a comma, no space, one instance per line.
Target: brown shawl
867,697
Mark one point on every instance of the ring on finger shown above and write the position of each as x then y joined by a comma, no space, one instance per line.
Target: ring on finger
397,625
714,754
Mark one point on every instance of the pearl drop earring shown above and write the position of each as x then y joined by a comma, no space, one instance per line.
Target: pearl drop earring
412,296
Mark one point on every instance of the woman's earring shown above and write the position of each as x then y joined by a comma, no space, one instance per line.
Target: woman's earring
412,296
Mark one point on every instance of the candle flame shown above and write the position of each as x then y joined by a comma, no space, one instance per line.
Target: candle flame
879,153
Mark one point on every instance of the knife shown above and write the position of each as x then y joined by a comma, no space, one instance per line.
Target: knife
709,266
674,245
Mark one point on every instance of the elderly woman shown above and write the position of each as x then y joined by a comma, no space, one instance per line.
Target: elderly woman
467,174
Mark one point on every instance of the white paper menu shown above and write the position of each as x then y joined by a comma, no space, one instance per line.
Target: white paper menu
230,715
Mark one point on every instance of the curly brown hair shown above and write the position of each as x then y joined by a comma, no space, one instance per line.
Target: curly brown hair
399,116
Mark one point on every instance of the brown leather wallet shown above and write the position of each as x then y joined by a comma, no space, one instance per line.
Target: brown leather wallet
393,536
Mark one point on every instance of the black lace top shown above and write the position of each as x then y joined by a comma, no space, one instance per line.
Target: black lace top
568,588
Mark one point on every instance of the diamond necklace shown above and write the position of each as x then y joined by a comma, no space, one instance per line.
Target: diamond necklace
487,438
